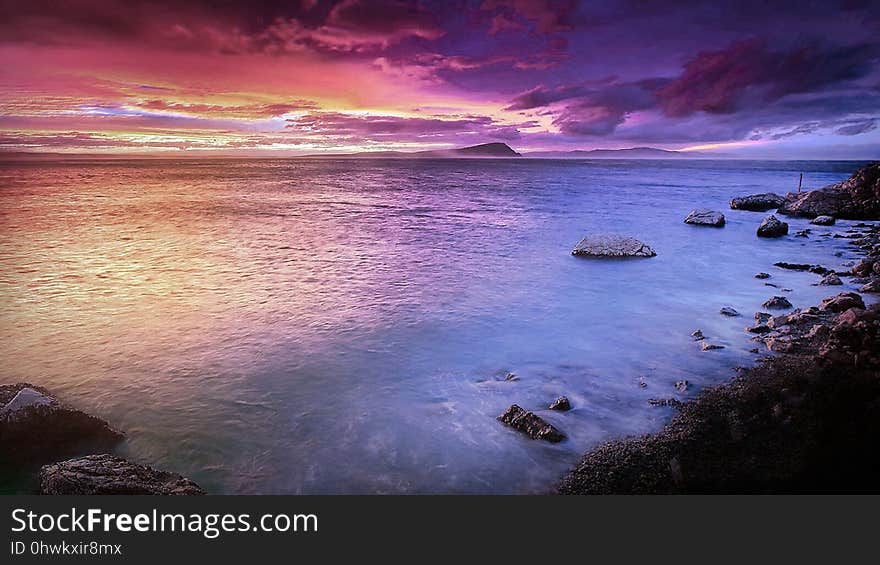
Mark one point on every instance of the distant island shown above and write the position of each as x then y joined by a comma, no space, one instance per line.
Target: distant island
482,151
630,153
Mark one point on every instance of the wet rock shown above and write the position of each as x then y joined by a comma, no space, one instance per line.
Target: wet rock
757,202
762,276
772,227
511,377
728,311
823,221
830,280
802,233
777,303
841,302
106,474
858,197
698,335
35,426
710,346
612,245
818,269
562,404
863,268
682,386
705,217
873,286
759,329
530,424
674,402
763,317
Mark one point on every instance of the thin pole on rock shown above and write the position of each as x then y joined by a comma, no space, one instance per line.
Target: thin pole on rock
800,180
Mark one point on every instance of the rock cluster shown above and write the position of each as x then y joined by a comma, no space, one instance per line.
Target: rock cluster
106,474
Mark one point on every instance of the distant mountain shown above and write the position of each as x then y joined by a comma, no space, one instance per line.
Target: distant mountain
482,151
631,153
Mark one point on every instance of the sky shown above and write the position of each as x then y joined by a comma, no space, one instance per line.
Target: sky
262,77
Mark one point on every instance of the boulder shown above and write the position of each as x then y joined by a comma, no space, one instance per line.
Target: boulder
841,302
830,280
772,227
823,220
872,286
612,245
106,474
777,303
728,311
858,197
562,404
530,424
704,217
863,268
757,202
35,426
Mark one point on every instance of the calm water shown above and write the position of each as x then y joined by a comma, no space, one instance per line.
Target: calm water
334,326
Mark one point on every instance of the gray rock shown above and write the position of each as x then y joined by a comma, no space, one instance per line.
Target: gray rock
612,245
772,227
530,424
106,474
35,426
728,311
705,217
777,303
562,403
823,220
757,202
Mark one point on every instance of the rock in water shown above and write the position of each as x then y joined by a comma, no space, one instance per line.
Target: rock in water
823,221
856,198
830,280
762,276
531,424
561,404
777,303
772,227
612,245
728,311
757,202
105,474
841,302
35,426
704,217
710,346
682,386
872,286
698,335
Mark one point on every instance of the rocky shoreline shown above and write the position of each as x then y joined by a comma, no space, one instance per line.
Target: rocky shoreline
807,418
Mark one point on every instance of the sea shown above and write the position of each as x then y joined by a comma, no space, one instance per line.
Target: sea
357,325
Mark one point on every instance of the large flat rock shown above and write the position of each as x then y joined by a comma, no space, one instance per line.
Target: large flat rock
612,245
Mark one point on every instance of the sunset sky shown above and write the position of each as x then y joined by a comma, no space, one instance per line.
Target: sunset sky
267,77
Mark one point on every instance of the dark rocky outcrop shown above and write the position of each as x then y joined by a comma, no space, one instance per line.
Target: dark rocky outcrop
856,198
757,202
772,227
612,245
35,427
704,217
841,302
818,269
777,303
762,276
562,404
106,474
531,424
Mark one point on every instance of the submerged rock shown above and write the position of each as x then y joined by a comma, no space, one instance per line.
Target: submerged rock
777,303
705,217
682,386
106,474
818,269
762,276
728,311
757,202
858,197
710,346
772,227
698,335
841,302
612,245
823,221
35,426
562,404
531,424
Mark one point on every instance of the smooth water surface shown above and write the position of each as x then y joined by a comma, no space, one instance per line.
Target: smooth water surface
344,326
